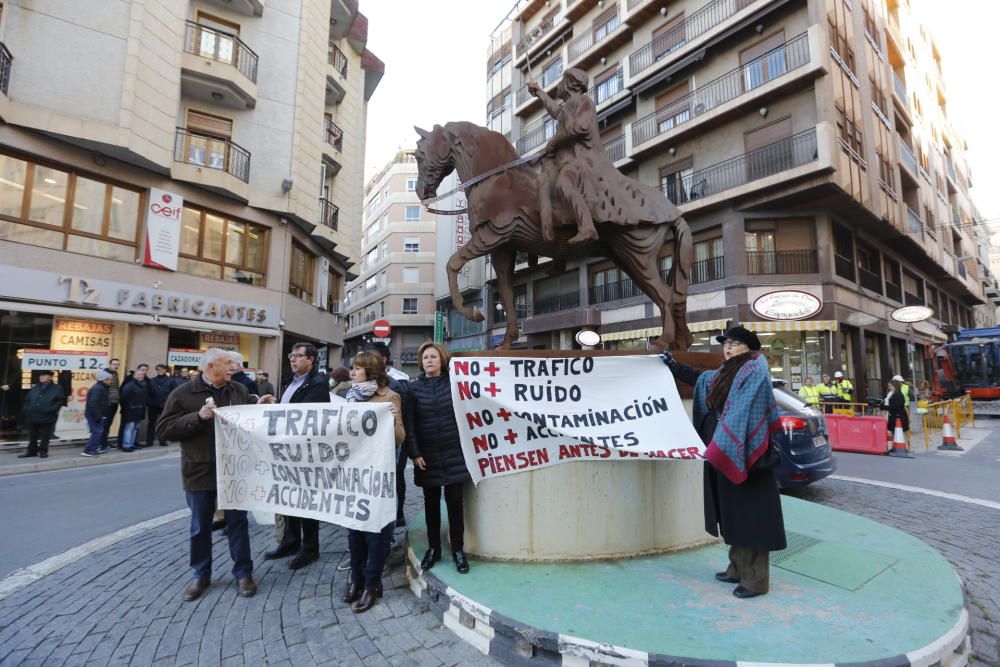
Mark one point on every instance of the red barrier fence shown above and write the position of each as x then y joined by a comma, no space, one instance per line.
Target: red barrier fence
865,435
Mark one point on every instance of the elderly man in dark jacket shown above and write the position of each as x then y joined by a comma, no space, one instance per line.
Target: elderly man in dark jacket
40,413
188,417
98,405
306,385
160,387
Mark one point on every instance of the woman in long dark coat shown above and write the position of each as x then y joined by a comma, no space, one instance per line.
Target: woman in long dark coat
432,441
735,413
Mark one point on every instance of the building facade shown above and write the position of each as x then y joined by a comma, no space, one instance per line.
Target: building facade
806,142
395,280
176,175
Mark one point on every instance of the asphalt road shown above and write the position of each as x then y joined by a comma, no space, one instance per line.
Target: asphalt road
45,513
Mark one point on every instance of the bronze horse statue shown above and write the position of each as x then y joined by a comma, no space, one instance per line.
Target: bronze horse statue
503,212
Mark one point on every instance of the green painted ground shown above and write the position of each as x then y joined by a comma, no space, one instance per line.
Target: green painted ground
847,590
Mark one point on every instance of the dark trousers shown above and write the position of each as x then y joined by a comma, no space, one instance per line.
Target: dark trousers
202,504
98,430
153,416
38,438
107,425
368,554
456,516
751,567
300,532
401,459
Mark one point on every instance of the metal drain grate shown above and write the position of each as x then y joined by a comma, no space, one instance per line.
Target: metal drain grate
797,543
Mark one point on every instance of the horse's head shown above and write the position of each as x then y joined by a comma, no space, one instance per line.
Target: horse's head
434,159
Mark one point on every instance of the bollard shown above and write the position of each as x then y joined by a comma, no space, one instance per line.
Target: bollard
948,443
899,446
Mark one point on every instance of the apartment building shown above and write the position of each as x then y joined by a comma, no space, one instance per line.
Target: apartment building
395,280
807,143
178,174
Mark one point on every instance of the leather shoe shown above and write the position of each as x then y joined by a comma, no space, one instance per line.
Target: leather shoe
282,551
725,578
351,593
218,524
743,592
247,587
461,564
195,589
367,601
302,559
430,557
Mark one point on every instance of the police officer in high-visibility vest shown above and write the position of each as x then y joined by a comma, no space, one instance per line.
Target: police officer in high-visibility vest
843,387
809,393
905,390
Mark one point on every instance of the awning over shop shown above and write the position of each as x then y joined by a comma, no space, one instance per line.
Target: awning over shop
930,331
708,325
654,332
793,325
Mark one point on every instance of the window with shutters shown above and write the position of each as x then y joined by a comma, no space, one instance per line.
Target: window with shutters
709,262
300,279
763,61
843,252
206,139
607,84
411,244
767,152
410,305
675,181
605,24
669,37
671,110
215,40
411,274
851,134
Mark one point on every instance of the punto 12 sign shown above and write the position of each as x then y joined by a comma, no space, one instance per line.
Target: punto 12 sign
787,305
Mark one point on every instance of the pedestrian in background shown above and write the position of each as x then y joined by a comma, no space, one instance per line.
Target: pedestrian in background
240,375
135,402
114,398
433,443
734,413
809,393
300,536
96,413
896,404
160,387
399,382
369,550
843,387
40,412
264,385
340,381
189,417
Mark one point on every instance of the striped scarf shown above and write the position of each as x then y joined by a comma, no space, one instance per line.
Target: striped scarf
361,391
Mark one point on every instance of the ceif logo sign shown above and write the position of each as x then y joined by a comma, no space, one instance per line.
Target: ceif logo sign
163,208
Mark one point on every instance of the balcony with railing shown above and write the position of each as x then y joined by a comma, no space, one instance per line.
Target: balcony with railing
336,59
743,83
705,270
894,291
653,56
556,303
333,135
607,90
6,59
906,157
596,41
760,263
914,225
329,215
782,155
870,280
218,67
212,162
524,100
536,135
615,148
623,289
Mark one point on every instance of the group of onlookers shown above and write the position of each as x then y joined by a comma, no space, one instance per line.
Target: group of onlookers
840,390
424,421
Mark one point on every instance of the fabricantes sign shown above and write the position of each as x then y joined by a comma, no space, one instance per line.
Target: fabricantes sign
911,314
787,305
163,229
517,414
63,360
334,462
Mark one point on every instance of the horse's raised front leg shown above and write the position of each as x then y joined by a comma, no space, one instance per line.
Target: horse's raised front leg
503,264
470,251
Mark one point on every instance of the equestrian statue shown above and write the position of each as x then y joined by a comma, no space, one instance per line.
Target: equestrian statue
579,205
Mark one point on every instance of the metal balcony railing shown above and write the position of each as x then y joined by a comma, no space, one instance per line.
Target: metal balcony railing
222,47
608,88
212,152
782,261
556,303
623,289
534,138
950,168
870,280
329,215
894,291
337,58
5,61
762,162
536,34
899,86
914,225
586,41
906,157
332,134
789,56
616,148
960,267
691,27
713,268
550,75
632,4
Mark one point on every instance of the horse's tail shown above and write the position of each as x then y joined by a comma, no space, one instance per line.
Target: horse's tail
679,277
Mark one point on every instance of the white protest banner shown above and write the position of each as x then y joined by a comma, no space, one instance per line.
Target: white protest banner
517,414
335,462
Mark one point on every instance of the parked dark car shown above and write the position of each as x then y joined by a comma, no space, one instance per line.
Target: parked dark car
802,441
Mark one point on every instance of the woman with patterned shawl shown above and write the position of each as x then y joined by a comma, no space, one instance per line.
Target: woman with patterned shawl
735,413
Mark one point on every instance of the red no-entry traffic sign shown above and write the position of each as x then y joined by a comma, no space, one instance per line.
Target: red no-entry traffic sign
382,328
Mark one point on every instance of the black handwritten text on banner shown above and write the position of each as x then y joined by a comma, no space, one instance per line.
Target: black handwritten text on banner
517,414
329,461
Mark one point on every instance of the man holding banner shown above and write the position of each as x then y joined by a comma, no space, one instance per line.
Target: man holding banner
188,417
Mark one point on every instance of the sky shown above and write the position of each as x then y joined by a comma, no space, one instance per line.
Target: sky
435,60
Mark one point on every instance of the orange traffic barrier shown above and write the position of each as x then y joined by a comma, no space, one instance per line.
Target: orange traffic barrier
899,447
948,443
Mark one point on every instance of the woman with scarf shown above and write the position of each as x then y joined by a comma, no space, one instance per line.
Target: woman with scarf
433,443
735,413
369,550
895,403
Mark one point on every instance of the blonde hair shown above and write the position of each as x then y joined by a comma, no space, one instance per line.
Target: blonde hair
374,366
441,350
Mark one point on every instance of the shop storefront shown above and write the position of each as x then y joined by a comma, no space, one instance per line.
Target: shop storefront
796,350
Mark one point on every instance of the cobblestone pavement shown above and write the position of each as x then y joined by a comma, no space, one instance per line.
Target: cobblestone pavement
123,605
